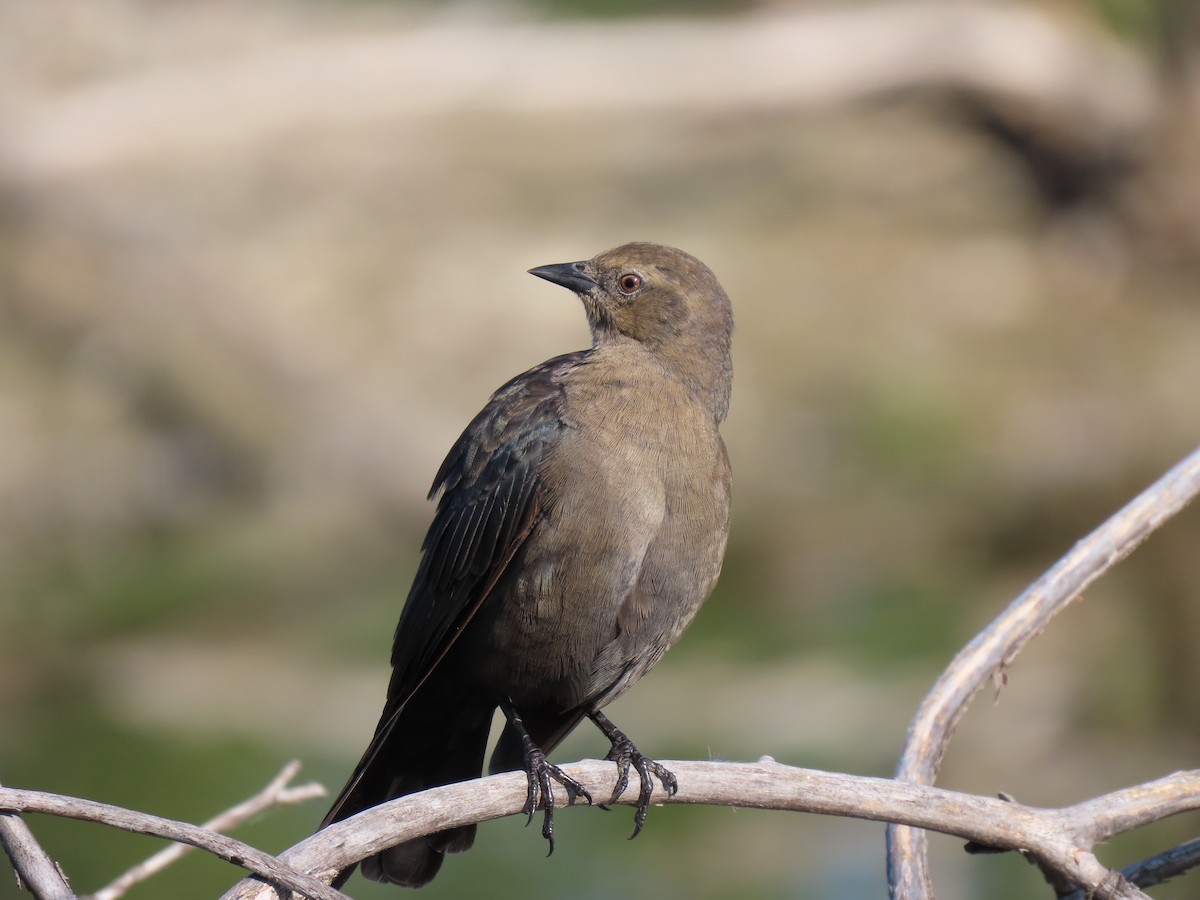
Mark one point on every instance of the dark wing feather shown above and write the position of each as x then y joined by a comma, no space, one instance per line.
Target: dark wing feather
490,491
490,495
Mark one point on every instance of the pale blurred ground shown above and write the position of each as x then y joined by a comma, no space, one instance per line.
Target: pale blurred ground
260,264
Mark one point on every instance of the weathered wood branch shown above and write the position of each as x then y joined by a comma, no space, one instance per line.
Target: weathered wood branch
279,792
1053,837
1157,869
34,869
985,659
223,846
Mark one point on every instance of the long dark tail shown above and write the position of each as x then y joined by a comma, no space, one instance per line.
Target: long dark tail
425,744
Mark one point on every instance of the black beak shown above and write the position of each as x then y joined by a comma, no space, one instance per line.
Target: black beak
568,275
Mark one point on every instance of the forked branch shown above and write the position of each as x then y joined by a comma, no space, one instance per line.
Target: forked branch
1059,839
987,656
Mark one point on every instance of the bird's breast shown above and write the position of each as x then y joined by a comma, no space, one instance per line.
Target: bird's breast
629,541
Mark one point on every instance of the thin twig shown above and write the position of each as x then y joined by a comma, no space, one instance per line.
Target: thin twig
35,870
263,865
1049,835
998,645
277,793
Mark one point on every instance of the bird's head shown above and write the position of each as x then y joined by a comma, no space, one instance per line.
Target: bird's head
664,299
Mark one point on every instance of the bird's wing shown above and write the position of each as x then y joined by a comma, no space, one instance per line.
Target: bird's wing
490,495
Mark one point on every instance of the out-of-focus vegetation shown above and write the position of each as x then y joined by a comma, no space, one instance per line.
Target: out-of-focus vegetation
231,364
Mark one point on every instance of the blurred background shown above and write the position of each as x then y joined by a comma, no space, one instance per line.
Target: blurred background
260,264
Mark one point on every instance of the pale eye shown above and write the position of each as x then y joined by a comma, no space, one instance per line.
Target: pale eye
630,283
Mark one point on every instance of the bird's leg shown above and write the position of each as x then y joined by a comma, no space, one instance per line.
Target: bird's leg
542,773
624,753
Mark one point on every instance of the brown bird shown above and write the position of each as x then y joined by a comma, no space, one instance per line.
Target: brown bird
581,523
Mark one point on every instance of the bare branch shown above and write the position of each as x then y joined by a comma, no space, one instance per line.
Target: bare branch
993,649
1050,836
261,864
278,793
1125,810
1157,869
34,868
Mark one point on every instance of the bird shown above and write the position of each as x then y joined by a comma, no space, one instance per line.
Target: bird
581,521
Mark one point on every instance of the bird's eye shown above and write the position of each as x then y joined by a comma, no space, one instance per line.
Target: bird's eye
630,283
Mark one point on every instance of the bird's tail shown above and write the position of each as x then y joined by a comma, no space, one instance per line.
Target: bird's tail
415,747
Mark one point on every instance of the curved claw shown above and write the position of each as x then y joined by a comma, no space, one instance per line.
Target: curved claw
532,795
648,769
542,774
622,754
625,754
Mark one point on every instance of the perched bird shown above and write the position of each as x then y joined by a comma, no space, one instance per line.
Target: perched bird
581,522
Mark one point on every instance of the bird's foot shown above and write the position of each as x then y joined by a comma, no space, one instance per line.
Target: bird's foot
625,755
542,774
